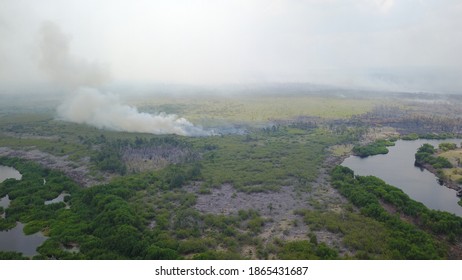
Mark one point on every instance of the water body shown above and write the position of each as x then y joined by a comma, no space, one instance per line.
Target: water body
397,169
15,240
7,172
59,198
5,201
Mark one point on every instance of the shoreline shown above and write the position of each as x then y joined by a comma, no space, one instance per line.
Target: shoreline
442,181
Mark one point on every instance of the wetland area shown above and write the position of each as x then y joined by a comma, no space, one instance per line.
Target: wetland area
14,240
259,188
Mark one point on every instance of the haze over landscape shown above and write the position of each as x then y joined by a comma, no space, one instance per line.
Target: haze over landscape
393,45
225,130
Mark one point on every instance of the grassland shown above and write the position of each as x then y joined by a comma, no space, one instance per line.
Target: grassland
341,150
211,110
265,160
455,158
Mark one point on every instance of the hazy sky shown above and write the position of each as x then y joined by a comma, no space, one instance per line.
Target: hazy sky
413,45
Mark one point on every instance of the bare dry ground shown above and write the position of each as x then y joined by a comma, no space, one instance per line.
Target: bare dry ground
78,171
277,207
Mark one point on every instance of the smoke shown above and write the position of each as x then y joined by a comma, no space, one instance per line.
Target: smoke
88,105
64,69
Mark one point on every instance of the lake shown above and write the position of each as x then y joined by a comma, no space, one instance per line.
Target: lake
59,198
7,172
15,239
397,169
5,201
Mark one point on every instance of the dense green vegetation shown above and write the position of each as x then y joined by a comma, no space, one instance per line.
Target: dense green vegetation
375,148
111,222
149,215
28,195
429,136
265,160
410,137
425,155
447,172
307,250
411,230
362,235
447,146
11,256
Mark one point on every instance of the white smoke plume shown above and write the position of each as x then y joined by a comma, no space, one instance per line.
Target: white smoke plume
88,105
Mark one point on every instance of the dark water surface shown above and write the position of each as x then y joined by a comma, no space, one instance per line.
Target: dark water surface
15,239
9,172
397,169
59,198
5,201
